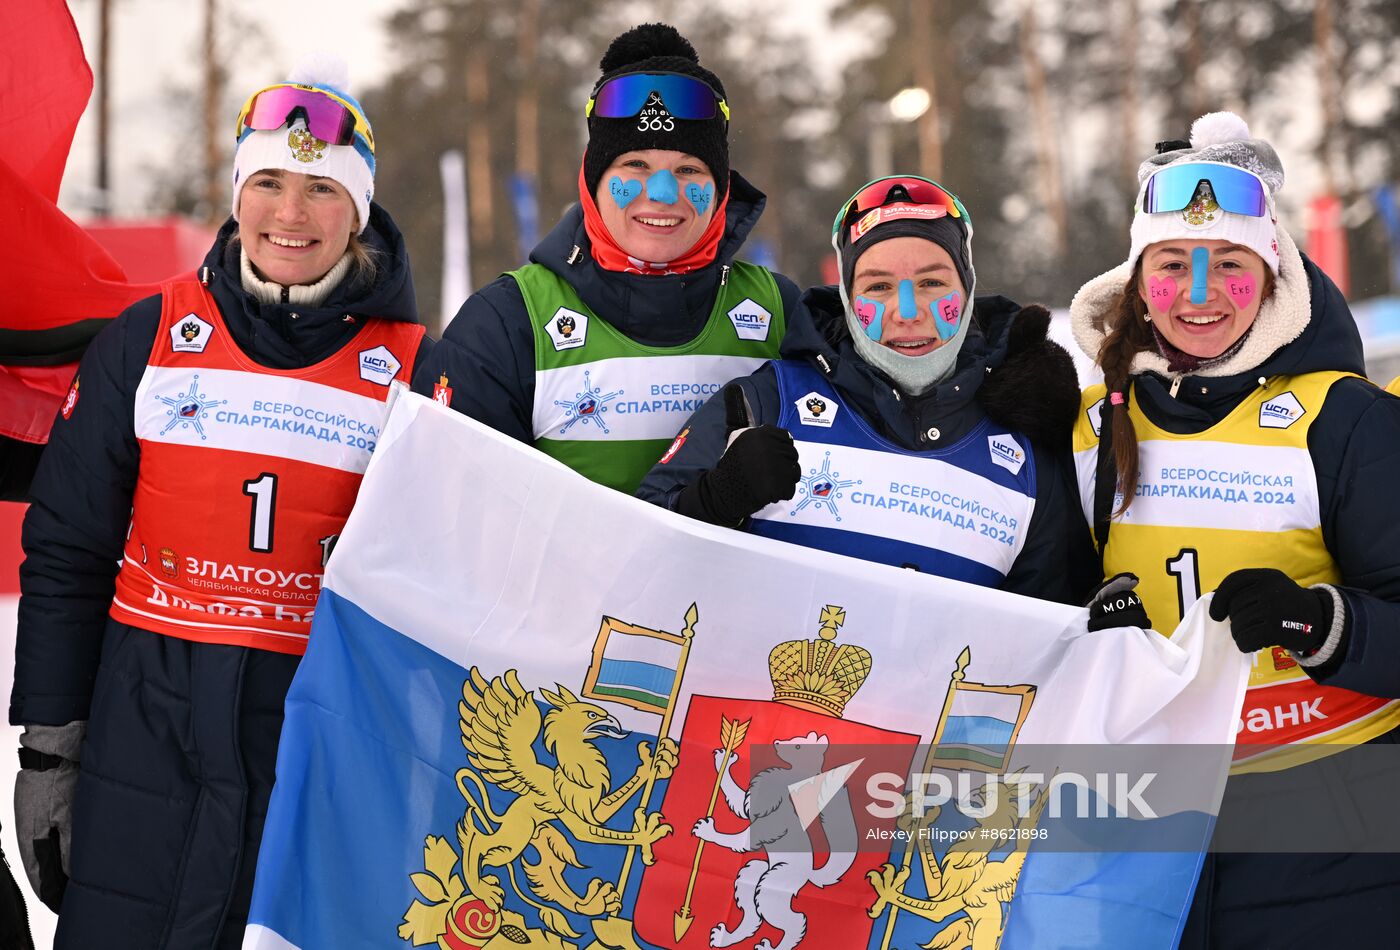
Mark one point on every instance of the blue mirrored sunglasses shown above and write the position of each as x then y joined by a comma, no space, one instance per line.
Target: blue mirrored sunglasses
685,97
1174,187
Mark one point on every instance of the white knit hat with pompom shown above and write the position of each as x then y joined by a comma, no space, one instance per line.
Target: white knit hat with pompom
1221,137
292,148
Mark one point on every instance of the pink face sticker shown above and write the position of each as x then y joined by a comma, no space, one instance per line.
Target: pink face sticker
869,312
946,313
1241,289
1161,291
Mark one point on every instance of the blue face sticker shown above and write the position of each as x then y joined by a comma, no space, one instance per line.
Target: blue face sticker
700,197
947,315
1200,271
870,313
624,191
663,187
908,306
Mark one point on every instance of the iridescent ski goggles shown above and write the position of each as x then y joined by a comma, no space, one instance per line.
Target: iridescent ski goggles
898,196
1174,187
685,97
329,117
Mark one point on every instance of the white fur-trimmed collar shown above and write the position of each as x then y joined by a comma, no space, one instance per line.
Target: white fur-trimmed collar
1282,318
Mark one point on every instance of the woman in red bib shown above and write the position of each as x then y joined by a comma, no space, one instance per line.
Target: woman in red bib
196,480
1235,450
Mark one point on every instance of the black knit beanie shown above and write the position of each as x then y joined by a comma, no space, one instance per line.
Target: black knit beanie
656,48
945,232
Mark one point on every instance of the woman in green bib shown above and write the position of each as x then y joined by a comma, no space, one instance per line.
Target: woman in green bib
1234,449
632,311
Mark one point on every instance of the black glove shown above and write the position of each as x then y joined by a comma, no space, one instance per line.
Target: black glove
44,790
1116,604
1267,608
759,467
1035,364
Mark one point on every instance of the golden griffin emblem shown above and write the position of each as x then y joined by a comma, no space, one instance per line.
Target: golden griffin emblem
970,889
554,805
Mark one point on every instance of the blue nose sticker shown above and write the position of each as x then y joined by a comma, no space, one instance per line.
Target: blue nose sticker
623,192
908,306
663,187
1200,270
700,197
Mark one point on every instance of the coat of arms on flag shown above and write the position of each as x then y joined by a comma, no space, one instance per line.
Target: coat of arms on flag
540,779
968,885
544,765
685,751
768,847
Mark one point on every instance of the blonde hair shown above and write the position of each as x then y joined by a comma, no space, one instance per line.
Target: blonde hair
364,259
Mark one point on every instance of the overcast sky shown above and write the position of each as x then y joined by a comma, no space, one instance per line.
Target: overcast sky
156,50
156,53
157,72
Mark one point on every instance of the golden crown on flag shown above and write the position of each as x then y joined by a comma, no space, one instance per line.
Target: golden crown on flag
819,675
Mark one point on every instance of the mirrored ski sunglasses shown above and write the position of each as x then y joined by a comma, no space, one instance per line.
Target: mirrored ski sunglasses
329,117
685,97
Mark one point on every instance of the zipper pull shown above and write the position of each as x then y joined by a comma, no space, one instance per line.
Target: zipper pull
723,274
1176,384
574,255
826,367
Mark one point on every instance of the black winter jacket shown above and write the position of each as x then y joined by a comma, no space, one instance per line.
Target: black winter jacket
1007,370
1263,898
81,497
179,758
487,352
1355,449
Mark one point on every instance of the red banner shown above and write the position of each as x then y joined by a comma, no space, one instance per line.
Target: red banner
60,284
1327,240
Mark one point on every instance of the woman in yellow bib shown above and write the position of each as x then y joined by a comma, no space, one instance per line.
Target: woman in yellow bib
1234,449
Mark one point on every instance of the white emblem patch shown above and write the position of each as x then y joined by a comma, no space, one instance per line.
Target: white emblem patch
1095,414
814,409
378,365
567,328
751,322
1280,412
190,334
1006,452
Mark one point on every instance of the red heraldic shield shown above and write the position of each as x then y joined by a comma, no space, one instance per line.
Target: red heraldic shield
798,759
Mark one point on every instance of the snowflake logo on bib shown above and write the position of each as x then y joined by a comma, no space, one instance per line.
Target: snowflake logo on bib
590,405
188,409
822,487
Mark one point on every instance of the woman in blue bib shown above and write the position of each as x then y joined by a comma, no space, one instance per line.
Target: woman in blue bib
903,424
